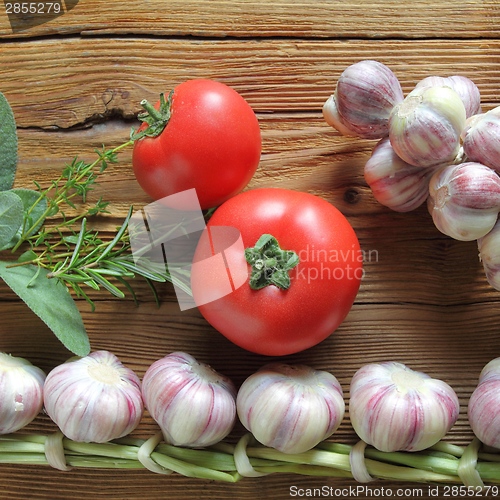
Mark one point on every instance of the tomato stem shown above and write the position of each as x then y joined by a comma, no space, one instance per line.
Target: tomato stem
153,112
155,119
270,264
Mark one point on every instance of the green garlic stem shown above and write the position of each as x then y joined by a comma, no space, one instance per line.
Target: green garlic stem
438,464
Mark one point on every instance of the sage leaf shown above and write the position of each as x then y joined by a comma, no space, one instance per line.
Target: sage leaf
51,301
11,217
32,215
34,207
8,145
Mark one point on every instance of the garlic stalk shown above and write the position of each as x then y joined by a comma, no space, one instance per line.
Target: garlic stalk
463,86
21,396
484,405
438,464
192,403
94,399
394,183
290,408
481,138
425,128
464,200
395,408
489,254
363,99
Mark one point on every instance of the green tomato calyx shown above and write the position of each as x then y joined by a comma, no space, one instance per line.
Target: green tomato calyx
156,119
270,264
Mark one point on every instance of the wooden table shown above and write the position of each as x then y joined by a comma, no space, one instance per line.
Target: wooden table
75,83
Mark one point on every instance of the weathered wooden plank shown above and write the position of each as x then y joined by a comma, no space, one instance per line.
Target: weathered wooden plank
132,484
260,18
60,87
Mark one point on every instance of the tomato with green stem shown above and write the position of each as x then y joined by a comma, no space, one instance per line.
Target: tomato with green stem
204,136
304,266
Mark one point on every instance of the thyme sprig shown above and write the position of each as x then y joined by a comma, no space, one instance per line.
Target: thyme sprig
82,258
77,179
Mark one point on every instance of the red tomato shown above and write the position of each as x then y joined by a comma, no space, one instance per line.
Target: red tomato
323,285
211,142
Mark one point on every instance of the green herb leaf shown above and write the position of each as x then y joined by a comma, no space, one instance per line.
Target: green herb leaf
27,256
32,212
11,217
71,239
51,301
117,237
8,145
34,207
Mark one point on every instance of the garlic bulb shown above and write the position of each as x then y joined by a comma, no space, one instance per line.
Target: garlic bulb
463,86
332,117
425,128
481,139
489,255
290,408
193,404
394,183
394,408
464,200
94,399
484,405
21,395
433,81
364,97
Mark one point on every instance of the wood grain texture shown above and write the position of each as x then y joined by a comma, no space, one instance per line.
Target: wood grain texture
62,89
75,83
283,18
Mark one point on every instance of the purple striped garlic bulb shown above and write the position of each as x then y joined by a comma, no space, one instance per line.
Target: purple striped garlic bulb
290,408
394,183
21,392
364,97
194,405
94,398
489,255
481,138
463,86
333,118
425,128
464,200
484,405
394,408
